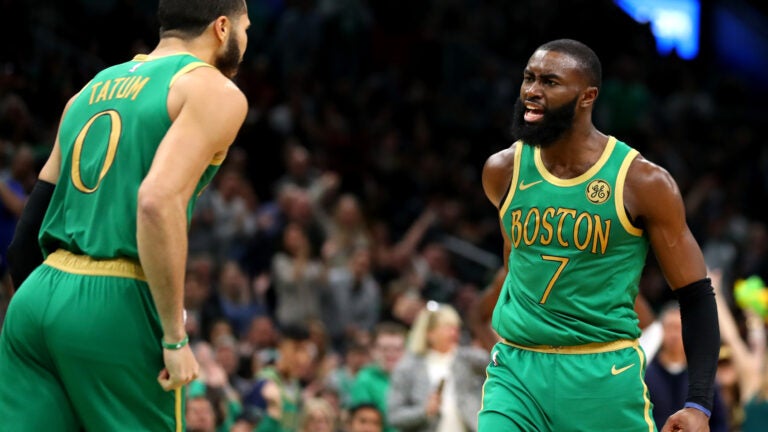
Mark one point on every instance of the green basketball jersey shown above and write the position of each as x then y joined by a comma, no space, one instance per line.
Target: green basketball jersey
108,140
576,259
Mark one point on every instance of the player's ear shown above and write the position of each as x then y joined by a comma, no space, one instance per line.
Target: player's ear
588,97
222,26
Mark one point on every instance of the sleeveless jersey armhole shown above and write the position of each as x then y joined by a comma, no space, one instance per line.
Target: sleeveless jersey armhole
507,199
186,69
621,210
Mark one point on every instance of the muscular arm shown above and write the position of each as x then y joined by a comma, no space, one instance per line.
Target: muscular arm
209,111
653,196
497,175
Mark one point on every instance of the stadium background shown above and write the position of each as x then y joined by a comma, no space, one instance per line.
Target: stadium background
397,104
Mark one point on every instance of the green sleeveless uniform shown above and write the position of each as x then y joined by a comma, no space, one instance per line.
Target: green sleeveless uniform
569,357
82,332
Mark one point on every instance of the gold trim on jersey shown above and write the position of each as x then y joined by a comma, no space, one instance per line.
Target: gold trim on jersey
619,201
590,348
218,159
557,181
186,69
515,177
66,261
147,57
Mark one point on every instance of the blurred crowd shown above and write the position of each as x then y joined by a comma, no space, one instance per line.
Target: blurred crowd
334,257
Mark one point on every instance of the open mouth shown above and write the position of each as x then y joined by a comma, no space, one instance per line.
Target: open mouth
533,113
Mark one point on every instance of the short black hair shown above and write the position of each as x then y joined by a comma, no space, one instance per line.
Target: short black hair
295,332
583,54
364,405
189,18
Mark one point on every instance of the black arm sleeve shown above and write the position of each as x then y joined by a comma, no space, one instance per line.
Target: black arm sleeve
24,253
701,338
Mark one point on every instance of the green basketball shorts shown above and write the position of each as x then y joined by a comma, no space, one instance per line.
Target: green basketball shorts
594,387
80,349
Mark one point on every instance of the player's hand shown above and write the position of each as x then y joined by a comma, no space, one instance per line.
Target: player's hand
180,368
687,420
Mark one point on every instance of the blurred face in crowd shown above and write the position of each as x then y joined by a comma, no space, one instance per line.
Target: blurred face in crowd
388,349
200,416
318,421
366,420
220,328
195,292
261,333
545,111
348,212
297,356
318,416
443,336
673,331
361,262
226,354
229,184
295,240
357,357
233,283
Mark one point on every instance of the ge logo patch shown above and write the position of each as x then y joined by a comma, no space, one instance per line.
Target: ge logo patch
598,191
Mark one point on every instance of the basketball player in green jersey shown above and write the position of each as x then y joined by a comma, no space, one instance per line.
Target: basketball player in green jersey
578,210
94,338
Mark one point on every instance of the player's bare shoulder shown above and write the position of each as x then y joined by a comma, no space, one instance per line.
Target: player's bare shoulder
649,186
210,89
497,173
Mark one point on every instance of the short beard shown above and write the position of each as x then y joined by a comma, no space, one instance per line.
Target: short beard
555,123
229,62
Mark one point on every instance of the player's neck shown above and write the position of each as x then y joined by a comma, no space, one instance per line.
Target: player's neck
173,45
574,153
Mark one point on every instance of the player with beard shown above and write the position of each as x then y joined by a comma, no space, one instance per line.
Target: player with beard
578,210
94,338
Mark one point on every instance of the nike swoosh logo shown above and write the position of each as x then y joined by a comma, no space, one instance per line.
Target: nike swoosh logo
524,186
615,371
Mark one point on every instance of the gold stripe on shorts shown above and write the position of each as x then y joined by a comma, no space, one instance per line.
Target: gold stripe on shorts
590,348
84,265
177,410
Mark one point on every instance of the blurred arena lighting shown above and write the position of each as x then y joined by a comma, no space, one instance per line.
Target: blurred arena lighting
741,40
674,23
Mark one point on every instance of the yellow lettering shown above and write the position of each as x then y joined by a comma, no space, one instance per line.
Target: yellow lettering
577,228
121,94
515,227
585,231
137,87
549,213
601,235
93,91
562,213
532,238
114,87
104,91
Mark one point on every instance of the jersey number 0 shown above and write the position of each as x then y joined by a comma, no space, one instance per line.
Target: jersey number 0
116,127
